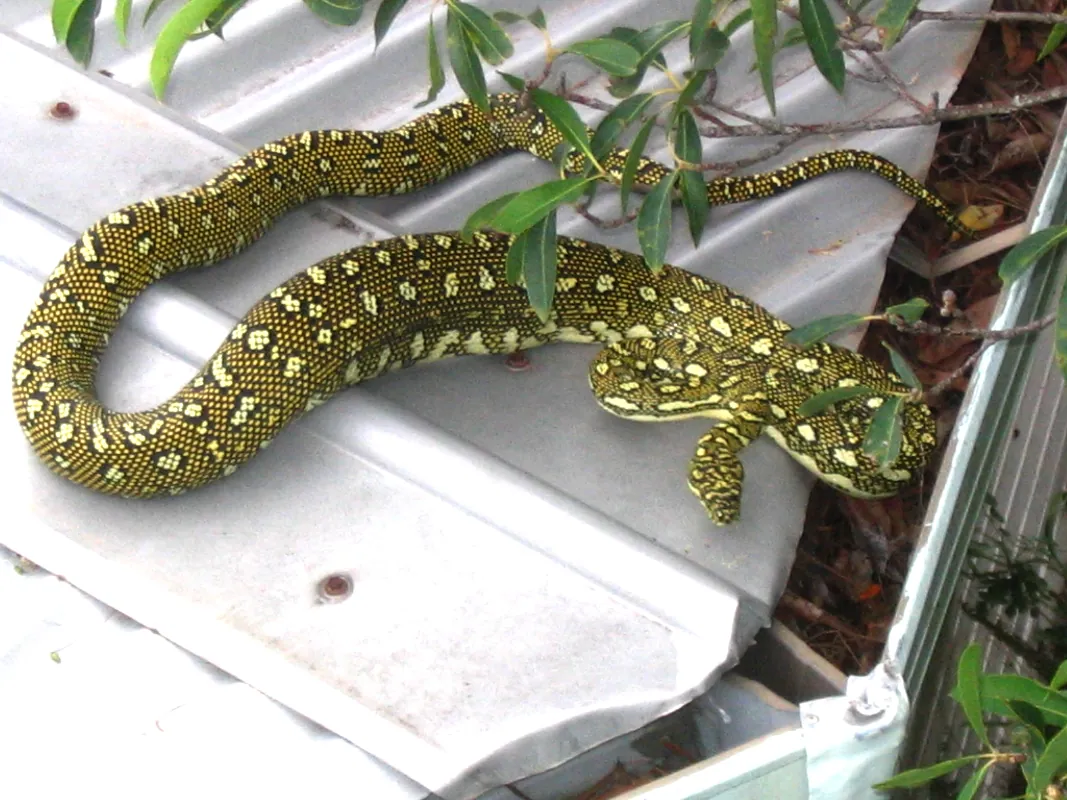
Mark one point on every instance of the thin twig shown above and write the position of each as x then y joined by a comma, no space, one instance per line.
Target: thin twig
989,336
761,126
600,222
920,15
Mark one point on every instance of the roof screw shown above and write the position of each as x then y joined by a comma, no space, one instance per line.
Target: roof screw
335,588
63,110
517,361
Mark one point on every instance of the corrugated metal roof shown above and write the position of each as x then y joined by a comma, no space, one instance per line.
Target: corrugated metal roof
532,576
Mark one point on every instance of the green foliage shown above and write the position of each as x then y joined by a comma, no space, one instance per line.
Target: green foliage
474,38
1035,714
1017,578
1021,259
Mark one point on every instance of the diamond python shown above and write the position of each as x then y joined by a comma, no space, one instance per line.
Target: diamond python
676,345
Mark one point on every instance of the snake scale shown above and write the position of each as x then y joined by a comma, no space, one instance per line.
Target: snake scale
675,345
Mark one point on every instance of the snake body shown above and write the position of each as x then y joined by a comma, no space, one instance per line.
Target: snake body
675,344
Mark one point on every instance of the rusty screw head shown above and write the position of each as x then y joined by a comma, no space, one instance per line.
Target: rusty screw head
517,361
335,588
63,110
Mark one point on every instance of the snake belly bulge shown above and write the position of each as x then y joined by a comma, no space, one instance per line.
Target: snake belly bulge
674,345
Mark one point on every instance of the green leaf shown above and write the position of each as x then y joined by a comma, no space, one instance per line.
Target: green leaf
649,43
1061,332
384,17
1060,678
997,690
698,25
919,777
818,403
903,368
561,114
465,63
63,13
508,17
685,97
1032,719
910,311
488,37
483,217
437,72
173,38
122,19
969,689
1054,40
970,789
821,34
150,11
654,222
688,147
792,37
514,81
218,18
819,329
711,49
537,19
611,55
1052,761
764,32
886,433
532,205
616,121
337,12
633,161
737,22
892,19
1021,257
82,32
537,252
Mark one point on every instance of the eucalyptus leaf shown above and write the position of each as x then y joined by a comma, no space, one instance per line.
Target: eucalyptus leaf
911,311
488,37
818,403
654,222
538,254
122,19
483,217
819,329
919,777
969,689
384,17
337,12
436,70
694,190
529,206
611,55
820,31
892,19
903,368
1021,257
172,39
764,33
886,433
464,60
633,161
82,32
1054,40
561,114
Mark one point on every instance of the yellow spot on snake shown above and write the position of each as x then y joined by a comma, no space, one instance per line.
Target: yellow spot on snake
721,326
806,432
807,365
846,457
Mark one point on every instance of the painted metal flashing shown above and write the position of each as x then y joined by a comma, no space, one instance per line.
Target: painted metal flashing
519,599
